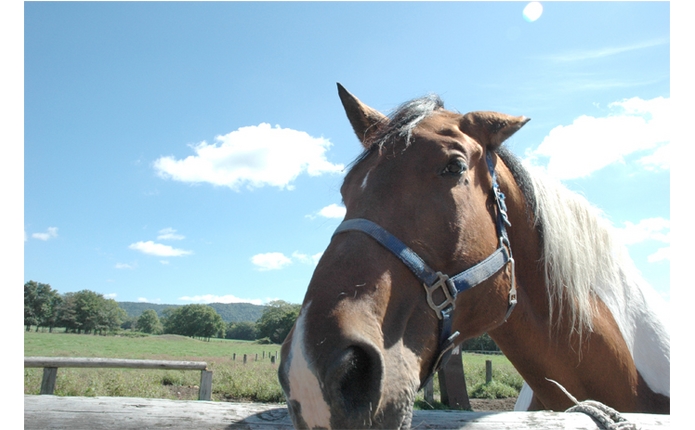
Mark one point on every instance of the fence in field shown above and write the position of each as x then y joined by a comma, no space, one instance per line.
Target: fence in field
124,413
452,381
51,364
273,357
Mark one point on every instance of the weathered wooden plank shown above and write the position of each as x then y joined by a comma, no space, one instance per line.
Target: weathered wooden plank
48,382
125,413
112,362
205,391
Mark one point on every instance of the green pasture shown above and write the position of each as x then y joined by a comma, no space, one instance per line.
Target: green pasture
232,379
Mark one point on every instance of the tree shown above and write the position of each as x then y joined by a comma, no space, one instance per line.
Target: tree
277,320
194,321
111,315
40,305
242,330
30,298
148,322
481,343
89,312
129,322
53,301
67,313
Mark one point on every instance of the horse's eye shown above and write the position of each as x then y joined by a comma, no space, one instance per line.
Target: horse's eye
455,167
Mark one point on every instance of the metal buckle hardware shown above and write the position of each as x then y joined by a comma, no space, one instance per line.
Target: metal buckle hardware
448,289
512,290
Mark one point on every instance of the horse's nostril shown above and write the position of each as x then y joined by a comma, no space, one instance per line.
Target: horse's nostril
356,378
357,373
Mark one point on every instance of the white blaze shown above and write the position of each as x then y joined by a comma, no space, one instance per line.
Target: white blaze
364,181
304,386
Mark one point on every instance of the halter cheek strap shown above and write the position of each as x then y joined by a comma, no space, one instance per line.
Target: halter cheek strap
450,286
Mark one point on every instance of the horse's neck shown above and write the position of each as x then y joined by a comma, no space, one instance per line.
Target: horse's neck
597,365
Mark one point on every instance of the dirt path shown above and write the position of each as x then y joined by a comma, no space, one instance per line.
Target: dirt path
482,405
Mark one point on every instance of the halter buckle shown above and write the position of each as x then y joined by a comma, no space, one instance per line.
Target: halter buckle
512,290
449,291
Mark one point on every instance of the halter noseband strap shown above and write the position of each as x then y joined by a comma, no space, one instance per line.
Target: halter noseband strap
449,286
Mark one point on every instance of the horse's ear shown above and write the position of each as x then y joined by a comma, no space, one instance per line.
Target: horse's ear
364,120
492,128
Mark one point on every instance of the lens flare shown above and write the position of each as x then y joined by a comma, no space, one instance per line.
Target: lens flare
533,11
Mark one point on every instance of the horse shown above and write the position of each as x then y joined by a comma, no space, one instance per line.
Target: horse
517,255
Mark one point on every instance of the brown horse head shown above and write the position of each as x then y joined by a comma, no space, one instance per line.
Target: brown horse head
435,202
366,338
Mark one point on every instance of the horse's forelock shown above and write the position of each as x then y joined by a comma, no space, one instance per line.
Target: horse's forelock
401,123
407,116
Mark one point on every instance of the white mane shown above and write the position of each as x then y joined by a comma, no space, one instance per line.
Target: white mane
582,259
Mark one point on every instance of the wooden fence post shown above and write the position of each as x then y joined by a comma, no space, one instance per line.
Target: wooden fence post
488,371
48,383
452,382
244,358
234,357
205,390
429,391
272,359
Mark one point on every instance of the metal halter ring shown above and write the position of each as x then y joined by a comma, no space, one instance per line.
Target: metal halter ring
449,290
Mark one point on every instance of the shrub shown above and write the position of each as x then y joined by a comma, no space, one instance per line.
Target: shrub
492,390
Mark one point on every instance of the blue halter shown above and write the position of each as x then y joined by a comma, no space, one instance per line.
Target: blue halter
449,286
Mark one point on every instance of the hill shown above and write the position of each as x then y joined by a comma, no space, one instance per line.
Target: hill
230,312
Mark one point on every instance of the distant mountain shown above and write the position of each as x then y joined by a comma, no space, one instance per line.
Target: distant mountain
230,312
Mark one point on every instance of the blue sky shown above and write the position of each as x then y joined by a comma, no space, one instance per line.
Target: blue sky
189,153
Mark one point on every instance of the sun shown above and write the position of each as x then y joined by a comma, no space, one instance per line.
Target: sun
533,11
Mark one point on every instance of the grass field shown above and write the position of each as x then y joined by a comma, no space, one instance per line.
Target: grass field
232,379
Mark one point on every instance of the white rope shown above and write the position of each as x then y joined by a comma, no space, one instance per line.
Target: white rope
607,417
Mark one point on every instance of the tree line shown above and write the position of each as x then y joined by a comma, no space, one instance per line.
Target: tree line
203,321
78,312
89,312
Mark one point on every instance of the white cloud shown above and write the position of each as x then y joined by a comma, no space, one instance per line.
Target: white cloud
110,296
307,259
278,260
51,232
660,159
169,234
211,298
270,261
254,156
660,255
658,229
590,143
158,249
333,211
125,266
605,52
144,300
650,229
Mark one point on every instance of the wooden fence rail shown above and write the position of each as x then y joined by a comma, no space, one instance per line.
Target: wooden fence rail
128,413
51,364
